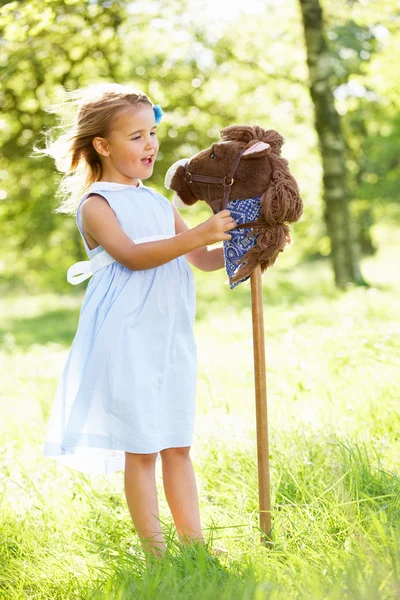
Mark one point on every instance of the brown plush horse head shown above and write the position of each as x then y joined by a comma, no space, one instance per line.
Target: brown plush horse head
246,164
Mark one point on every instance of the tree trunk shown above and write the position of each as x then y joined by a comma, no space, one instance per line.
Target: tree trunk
332,146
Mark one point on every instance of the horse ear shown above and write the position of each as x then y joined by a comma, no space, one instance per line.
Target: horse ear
257,150
271,137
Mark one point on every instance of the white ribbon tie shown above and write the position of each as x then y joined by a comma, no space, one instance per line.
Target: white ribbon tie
84,269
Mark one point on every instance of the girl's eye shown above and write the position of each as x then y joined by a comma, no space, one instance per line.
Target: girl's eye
138,137
213,155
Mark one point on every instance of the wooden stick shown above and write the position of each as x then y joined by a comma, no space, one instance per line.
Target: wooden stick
260,379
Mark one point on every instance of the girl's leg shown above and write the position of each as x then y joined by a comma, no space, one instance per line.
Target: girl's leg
141,495
181,493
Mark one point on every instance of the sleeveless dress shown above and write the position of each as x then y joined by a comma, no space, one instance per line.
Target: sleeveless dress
129,382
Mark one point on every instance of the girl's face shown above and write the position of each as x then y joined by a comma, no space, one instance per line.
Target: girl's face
131,148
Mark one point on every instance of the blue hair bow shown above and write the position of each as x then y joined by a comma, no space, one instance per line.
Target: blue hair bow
158,112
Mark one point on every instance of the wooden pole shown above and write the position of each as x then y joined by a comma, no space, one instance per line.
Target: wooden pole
260,379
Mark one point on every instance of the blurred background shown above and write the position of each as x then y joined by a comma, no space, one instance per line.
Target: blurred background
325,74
209,65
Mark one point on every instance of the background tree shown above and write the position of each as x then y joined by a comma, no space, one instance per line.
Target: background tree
206,73
46,47
336,193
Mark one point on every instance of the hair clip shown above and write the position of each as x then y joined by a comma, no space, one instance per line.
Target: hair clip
158,112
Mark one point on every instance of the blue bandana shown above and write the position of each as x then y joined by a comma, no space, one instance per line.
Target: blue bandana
158,113
242,240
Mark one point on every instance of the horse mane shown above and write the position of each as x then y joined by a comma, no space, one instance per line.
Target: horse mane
281,203
246,133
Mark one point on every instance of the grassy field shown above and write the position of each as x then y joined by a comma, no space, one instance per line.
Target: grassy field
333,363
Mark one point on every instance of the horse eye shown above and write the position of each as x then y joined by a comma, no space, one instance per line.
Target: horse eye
213,155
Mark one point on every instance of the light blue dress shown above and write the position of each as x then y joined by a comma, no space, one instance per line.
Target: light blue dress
129,382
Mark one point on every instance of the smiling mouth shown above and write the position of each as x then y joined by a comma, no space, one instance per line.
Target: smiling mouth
148,160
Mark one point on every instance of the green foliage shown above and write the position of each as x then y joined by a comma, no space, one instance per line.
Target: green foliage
207,73
46,46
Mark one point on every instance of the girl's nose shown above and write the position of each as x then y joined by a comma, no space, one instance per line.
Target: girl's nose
151,143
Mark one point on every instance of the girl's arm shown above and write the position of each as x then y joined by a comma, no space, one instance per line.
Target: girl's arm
206,259
100,221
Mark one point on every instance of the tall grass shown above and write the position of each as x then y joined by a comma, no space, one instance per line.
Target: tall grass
333,395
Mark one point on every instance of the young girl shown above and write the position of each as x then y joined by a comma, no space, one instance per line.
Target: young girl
128,390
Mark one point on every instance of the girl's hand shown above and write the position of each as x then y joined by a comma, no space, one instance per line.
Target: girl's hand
214,229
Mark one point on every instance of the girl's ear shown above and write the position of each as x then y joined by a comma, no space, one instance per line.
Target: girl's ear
100,146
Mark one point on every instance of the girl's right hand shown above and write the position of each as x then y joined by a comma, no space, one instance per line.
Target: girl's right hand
214,229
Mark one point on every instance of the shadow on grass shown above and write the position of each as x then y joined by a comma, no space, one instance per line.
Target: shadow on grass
57,326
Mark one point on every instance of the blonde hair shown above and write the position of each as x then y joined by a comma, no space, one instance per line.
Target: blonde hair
92,111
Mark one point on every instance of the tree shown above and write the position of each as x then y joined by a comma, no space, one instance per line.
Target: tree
46,46
336,194
206,74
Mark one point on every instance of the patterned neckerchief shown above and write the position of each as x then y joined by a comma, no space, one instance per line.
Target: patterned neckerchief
242,239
